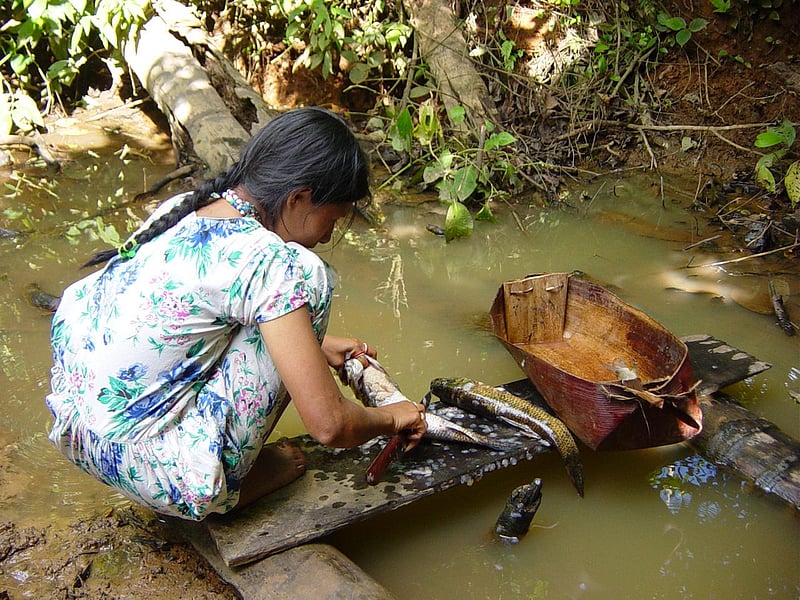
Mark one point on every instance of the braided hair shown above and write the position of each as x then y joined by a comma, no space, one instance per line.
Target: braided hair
303,148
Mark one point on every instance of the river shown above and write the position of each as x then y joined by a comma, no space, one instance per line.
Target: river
658,523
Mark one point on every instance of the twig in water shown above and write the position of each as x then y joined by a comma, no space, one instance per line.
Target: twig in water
742,258
701,242
780,311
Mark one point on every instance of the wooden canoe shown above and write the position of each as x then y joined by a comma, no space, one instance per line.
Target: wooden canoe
616,377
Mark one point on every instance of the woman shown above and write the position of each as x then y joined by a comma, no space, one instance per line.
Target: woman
173,362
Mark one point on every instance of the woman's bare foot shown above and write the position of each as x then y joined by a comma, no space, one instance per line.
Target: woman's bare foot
277,465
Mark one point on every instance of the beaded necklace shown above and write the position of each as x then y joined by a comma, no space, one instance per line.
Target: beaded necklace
245,208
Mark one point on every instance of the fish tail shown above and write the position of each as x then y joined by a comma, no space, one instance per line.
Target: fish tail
575,472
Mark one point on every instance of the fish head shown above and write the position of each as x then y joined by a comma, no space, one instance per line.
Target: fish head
447,387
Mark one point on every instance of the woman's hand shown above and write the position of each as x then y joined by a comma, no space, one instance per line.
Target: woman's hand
337,348
408,418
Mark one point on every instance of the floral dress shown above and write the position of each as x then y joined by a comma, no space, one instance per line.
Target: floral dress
161,383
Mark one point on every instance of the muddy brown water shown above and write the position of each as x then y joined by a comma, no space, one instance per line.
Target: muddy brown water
659,523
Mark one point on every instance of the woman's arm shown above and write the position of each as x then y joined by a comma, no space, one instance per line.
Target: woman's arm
329,417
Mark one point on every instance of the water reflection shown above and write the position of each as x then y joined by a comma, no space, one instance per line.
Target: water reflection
677,481
661,523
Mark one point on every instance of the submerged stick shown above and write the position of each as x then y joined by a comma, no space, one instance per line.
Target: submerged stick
780,310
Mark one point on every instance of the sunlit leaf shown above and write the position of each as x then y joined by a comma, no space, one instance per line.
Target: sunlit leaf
457,114
458,222
792,182
498,139
768,138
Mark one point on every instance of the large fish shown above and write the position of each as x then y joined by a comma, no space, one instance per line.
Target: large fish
373,386
492,402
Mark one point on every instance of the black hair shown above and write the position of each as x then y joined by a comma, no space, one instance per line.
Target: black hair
304,148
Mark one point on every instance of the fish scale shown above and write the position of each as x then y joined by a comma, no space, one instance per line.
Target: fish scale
496,403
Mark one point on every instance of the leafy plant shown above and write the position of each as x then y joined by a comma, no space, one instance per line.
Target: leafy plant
781,138
351,30
683,31
46,42
469,176
721,6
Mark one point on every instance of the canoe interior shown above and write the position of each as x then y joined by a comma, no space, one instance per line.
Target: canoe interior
573,365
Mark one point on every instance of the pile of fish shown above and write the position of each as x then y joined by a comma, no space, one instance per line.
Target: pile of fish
374,387
496,403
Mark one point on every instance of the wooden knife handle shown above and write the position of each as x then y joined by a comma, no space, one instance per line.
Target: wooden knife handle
380,463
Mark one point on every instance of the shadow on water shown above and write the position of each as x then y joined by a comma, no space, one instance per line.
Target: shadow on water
659,523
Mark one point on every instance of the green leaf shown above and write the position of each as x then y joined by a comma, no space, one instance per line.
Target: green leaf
498,139
768,138
458,222
792,182
786,129
465,180
683,36
765,178
457,114
697,25
675,23
404,124
418,91
359,72
485,213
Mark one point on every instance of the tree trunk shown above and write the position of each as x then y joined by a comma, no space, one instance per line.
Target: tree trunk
210,125
443,47
751,447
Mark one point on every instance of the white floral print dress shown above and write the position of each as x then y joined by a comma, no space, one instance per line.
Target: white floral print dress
161,383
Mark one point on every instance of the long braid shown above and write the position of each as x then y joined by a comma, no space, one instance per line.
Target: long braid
200,198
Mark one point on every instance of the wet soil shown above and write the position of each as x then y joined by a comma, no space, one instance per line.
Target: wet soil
129,553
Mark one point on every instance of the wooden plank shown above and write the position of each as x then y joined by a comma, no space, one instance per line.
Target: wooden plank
717,364
528,320
333,493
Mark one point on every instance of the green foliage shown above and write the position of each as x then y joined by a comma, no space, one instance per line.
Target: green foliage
470,176
780,138
358,32
46,42
721,6
683,31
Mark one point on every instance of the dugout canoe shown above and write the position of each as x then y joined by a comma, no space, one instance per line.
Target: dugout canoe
616,377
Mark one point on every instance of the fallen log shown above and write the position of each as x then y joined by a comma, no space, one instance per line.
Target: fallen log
212,111
180,87
752,447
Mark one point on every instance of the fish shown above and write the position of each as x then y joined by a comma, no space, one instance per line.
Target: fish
521,506
373,386
496,403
